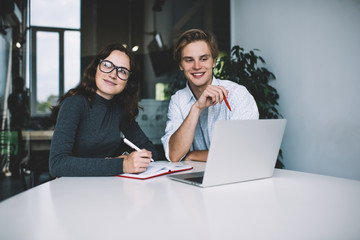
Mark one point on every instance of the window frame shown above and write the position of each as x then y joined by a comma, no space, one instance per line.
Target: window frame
33,63
32,58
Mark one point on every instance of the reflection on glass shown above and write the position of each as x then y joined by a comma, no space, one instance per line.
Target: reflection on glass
47,69
72,59
55,13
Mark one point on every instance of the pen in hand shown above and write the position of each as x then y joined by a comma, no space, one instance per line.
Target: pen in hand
227,103
130,144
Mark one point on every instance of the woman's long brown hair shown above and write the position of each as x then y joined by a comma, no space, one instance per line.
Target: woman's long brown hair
128,98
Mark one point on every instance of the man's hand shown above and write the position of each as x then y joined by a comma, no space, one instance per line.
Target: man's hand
211,96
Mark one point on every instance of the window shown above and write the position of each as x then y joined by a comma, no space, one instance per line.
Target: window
53,51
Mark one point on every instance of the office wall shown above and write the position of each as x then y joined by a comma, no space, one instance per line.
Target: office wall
313,49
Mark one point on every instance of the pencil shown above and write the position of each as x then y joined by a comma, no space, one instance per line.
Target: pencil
227,103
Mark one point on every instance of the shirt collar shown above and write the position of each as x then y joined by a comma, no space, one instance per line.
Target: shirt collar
215,81
189,95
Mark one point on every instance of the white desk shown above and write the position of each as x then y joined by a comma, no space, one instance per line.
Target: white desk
291,205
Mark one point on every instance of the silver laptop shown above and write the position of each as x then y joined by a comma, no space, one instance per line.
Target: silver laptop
241,150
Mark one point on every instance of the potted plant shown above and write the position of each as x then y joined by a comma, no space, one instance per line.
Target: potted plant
247,69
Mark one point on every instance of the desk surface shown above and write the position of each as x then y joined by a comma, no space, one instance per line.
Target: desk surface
290,205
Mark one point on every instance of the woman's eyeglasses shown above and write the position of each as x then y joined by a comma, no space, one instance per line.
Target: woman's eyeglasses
106,66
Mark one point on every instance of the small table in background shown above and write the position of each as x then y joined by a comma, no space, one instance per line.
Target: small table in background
37,146
39,140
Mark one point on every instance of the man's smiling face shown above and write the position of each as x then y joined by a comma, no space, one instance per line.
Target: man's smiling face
197,64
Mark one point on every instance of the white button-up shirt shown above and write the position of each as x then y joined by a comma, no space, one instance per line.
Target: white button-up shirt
242,103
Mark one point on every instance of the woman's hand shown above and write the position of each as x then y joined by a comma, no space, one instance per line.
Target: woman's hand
136,162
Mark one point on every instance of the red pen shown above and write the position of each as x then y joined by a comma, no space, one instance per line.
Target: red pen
227,103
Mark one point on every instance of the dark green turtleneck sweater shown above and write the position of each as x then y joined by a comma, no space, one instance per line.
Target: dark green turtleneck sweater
87,137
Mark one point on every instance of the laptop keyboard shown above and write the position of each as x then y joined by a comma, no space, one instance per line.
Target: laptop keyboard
196,179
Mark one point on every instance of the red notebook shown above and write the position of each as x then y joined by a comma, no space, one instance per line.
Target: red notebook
158,168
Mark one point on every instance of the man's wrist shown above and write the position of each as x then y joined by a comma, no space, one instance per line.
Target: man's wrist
196,108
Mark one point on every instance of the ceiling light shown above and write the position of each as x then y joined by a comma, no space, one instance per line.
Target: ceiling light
135,48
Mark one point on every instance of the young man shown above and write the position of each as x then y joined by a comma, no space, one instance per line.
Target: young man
194,109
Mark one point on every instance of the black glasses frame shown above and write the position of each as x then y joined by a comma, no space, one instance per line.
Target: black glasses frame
115,67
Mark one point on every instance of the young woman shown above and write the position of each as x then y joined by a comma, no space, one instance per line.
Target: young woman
91,117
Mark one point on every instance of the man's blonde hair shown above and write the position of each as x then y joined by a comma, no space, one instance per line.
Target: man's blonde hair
194,35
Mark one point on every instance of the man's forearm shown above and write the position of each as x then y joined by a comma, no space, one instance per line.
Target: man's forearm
180,142
200,155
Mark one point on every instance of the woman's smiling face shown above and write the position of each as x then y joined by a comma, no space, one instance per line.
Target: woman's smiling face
109,84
